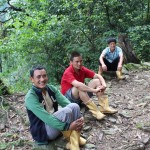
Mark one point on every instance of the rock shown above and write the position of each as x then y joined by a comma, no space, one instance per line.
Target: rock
130,107
132,66
124,70
147,98
87,128
134,146
142,105
119,120
145,140
140,81
146,63
110,131
125,114
3,119
146,128
52,145
112,119
90,146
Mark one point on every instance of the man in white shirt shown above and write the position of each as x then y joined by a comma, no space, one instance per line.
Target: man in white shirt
111,59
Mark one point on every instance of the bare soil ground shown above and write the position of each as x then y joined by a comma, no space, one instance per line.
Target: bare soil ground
129,129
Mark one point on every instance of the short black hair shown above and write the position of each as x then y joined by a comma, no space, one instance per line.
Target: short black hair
36,67
111,40
74,54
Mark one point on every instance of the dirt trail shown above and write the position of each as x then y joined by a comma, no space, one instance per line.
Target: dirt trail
129,129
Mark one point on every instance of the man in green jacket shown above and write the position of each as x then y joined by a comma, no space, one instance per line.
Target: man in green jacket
46,121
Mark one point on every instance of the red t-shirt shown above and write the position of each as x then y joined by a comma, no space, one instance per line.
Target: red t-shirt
70,75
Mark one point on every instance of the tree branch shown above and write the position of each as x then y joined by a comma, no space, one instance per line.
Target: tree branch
14,8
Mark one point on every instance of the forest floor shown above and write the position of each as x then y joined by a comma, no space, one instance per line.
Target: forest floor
129,129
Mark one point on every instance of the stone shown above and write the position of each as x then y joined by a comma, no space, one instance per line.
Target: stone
125,114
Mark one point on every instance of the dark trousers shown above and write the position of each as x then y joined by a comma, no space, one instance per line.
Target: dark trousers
111,66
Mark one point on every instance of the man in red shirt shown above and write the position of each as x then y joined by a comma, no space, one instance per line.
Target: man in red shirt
73,87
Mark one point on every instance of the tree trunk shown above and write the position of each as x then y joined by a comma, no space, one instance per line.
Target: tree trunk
129,55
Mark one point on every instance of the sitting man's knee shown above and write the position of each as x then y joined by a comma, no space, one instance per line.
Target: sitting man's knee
74,105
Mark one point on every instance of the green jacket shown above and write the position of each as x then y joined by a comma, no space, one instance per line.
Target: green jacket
36,111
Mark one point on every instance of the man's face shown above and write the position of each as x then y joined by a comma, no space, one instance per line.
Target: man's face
39,78
77,62
112,46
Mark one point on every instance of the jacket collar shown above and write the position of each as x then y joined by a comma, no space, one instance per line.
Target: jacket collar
38,90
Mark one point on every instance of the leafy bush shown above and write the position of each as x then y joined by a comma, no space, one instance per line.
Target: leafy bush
140,36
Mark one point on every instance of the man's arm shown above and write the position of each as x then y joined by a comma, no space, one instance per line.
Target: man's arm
32,104
102,81
120,62
101,59
83,87
104,67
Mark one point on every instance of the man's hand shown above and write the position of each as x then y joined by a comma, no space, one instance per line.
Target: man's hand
119,67
100,89
77,124
104,67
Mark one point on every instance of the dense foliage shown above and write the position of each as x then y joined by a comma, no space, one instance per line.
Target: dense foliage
46,31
